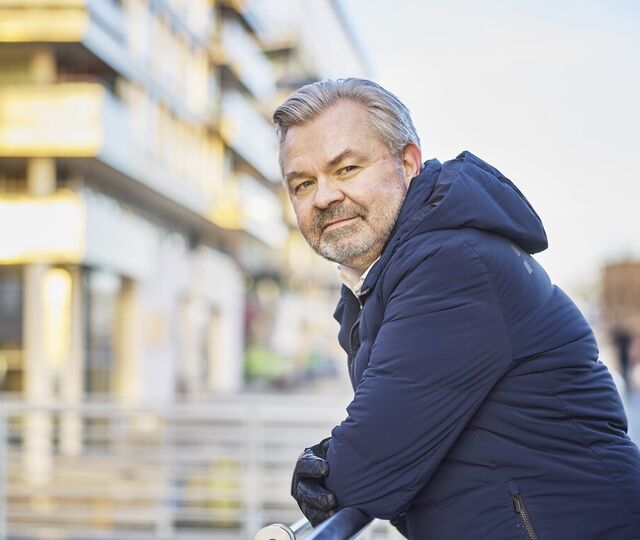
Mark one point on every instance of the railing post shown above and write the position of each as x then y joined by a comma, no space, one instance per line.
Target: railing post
253,510
4,471
165,525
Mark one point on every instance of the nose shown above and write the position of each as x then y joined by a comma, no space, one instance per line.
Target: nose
327,193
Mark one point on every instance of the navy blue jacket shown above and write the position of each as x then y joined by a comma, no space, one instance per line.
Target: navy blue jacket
480,408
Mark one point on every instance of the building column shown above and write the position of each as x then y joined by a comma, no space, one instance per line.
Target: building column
214,350
38,375
224,349
71,378
42,68
38,380
128,335
192,327
41,177
225,336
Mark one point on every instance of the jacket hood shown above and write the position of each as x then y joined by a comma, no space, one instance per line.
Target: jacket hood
465,192
468,192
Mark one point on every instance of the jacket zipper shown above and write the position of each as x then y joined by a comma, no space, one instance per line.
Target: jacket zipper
354,329
356,324
521,510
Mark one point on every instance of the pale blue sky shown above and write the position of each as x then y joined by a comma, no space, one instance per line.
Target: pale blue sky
548,92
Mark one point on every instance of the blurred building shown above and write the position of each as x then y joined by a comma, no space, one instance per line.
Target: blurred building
145,244
140,190
111,167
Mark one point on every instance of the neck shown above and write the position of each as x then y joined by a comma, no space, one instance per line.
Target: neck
364,261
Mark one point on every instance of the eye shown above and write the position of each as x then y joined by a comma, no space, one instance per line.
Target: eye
346,170
302,186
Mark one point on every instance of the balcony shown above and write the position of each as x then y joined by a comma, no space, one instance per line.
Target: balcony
193,18
116,38
44,230
246,60
246,9
262,212
250,135
117,239
55,120
247,204
60,20
85,120
75,228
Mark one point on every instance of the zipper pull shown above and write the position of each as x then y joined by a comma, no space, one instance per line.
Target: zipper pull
516,504
361,295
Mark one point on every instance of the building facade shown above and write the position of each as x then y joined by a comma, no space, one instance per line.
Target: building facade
140,190
110,168
146,245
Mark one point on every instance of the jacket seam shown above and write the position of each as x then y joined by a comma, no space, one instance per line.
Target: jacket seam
495,295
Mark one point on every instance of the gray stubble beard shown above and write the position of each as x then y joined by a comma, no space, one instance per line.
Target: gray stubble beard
354,254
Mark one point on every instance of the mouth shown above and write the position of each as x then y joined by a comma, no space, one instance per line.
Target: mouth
338,223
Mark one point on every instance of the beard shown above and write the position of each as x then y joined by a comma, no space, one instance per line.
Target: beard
359,243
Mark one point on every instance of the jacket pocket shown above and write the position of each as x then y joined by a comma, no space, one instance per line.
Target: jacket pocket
520,508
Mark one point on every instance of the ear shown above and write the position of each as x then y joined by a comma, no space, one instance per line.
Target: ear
411,161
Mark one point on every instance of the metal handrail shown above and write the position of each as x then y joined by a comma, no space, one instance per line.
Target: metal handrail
343,525
277,531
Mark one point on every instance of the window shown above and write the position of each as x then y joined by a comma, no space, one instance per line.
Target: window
102,291
11,312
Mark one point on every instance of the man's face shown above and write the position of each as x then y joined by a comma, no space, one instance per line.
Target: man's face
345,186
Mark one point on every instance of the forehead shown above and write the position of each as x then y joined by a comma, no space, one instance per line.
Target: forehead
343,125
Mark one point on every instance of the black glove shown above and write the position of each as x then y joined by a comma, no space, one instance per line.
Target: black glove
400,523
307,485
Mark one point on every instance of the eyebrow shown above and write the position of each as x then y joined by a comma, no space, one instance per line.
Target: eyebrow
333,162
341,156
293,175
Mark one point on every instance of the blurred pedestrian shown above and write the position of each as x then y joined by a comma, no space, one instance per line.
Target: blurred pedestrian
481,409
622,340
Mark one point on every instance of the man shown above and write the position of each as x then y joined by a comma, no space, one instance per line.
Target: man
480,408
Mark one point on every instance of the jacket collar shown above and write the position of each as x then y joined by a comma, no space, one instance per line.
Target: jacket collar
418,194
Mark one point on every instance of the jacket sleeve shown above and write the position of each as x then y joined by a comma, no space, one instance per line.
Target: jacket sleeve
442,346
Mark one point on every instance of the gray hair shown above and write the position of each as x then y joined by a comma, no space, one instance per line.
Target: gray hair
389,117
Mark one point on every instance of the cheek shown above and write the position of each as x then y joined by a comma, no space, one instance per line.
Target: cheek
380,194
304,215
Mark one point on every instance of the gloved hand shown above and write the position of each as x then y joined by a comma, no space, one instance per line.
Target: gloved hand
307,485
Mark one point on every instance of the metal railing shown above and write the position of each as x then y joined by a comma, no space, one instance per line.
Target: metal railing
3,476
278,531
346,524
216,470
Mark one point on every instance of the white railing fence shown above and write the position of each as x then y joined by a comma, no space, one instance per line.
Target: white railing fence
215,470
